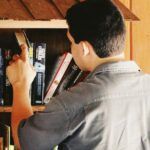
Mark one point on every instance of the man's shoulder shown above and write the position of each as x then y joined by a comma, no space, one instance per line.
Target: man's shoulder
80,95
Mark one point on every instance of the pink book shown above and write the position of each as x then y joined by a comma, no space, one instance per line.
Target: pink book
58,76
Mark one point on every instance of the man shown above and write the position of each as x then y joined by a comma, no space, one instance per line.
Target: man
110,110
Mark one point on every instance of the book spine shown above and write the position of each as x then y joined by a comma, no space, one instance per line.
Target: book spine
77,78
31,53
1,78
7,137
1,143
72,76
63,67
55,69
8,94
5,134
69,77
31,58
81,77
39,82
22,38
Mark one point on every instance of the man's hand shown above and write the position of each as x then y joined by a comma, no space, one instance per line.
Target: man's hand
20,72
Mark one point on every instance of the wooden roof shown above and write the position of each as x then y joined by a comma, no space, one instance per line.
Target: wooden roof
45,9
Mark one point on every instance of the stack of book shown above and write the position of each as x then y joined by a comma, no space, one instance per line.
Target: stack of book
5,86
64,75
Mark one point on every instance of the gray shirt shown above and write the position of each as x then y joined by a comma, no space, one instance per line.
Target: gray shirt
110,110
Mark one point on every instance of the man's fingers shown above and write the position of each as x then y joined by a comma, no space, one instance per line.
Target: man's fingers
15,57
14,61
10,62
24,52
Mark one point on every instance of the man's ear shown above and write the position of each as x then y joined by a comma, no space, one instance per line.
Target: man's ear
85,47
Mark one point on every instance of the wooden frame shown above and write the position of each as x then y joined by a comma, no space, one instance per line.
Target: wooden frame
9,108
15,24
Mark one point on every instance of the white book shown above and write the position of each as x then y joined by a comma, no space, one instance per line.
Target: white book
57,78
21,39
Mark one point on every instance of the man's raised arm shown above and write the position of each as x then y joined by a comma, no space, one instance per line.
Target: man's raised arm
21,75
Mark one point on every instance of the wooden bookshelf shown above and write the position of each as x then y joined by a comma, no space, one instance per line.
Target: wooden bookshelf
56,9
34,24
9,108
47,18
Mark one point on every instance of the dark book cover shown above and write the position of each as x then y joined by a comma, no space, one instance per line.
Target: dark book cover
1,78
5,135
72,77
81,77
68,78
8,93
39,57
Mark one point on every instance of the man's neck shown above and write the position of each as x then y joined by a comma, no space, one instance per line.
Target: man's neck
101,61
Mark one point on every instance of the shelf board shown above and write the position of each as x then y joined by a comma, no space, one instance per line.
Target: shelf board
46,9
40,24
9,108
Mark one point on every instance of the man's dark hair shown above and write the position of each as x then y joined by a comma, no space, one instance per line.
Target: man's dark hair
100,23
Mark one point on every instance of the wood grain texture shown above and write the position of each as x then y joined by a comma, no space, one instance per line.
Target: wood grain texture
45,9
4,9
13,9
128,15
127,46
42,9
9,108
141,34
63,5
19,11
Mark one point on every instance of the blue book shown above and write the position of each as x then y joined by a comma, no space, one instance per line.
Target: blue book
38,86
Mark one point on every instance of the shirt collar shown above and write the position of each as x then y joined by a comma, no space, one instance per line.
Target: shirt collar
116,67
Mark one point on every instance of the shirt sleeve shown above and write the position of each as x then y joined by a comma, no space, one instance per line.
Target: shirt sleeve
44,130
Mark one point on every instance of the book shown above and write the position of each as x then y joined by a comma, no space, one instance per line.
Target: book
68,78
5,135
67,57
8,92
30,49
1,78
58,61
22,38
1,143
72,77
81,77
38,85
37,57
